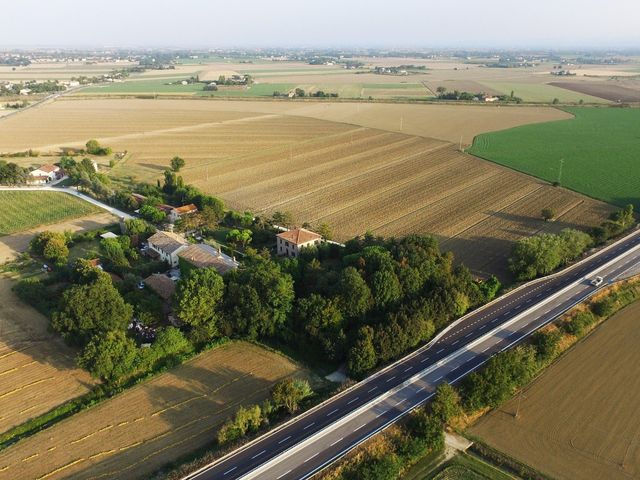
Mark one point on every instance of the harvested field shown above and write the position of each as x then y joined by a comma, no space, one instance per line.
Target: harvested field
579,419
153,423
615,93
37,370
74,121
22,210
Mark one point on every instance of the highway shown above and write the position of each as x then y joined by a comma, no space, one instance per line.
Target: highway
308,443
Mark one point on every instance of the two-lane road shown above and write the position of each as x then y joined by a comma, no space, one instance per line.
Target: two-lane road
313,440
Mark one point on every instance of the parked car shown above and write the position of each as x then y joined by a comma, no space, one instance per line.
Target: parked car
140,285
596,282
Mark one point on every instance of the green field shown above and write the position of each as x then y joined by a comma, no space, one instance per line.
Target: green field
598,150
147,86
21,210
255,90
540,92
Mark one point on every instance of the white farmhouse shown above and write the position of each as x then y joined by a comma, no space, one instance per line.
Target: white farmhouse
167,245
290,243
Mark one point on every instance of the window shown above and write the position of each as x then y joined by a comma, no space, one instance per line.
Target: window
286,244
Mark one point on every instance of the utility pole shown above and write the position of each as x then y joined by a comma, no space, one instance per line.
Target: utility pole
560,171
461,144
401,122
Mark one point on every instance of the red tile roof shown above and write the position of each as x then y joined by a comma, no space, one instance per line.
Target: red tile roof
191,208
48,168
299,236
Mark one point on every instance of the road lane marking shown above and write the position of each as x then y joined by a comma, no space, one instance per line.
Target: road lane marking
258,454
439,378
372,389
457,341
487,348
440,351
288,471
332,412
230,470
339,440
390,379
359,427
312,456
398,403
424,360
310,425
284,440
420,389
351,401
468,335
407,369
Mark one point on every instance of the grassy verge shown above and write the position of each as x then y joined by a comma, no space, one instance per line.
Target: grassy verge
465,467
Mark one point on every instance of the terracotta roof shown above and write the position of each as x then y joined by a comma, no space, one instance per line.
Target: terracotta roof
164,207
186,209
168,242
161,284
48,168
205,256
299,236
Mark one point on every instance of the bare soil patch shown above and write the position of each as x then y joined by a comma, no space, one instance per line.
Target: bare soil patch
579,420
615,93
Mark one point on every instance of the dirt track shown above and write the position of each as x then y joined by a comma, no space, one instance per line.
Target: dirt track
580,419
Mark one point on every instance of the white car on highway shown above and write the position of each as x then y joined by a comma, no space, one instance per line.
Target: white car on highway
596,282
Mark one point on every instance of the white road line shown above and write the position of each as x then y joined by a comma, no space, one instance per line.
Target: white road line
407,369
457,341
339,440
356,429
230,470
372,389
398,403
487,348
390,379
258,454
332,412
310,425
439,378
440,351
351,401
468,335
288,471
424,360
420,389
312,456
284,440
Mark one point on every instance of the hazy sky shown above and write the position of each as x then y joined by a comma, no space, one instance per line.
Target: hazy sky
345,23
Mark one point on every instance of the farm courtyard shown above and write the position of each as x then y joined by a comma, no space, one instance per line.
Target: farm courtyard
280,156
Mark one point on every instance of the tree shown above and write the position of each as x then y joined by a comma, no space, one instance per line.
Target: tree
114,252
239,238
362,356
110,356
282,219
91,309
137,226
152,214
355,297
446,404
177,163
325,230
56,250
259,298
320,320
548,214
385,287
290,392
441,90
555,101
94,148
198,301
429,428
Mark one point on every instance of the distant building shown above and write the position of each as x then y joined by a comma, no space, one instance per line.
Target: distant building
290,243
162,285
491,99
202,255
167,245
45,174
177,212
108,235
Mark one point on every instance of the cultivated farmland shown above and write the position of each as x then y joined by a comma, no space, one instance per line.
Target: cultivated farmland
154,423
37,371
579,420
615,93
596,153
22,210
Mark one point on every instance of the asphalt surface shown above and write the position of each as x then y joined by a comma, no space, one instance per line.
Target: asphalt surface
313,440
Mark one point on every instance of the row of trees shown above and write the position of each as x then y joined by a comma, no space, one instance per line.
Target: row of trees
12,174
542,254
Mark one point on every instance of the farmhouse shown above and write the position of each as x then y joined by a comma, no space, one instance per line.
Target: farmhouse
290,243
205,256
167,245
162,285
177,212
45,174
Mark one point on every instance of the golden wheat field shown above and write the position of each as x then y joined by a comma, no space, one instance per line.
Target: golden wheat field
269,156
37,371
579,420
154,423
